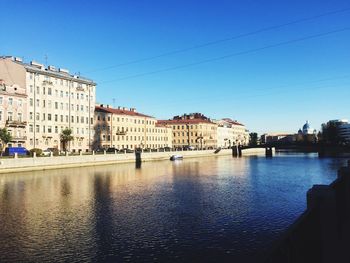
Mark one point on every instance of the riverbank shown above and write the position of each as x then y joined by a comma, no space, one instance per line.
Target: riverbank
13,165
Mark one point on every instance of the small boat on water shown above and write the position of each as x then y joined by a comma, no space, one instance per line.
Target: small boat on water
176,157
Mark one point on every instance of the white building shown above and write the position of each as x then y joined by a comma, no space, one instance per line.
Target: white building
230,133
55,100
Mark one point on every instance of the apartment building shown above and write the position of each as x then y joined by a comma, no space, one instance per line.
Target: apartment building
125,128
231,133
194,130
13,112
55,100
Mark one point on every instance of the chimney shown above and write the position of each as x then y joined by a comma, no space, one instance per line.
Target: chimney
124,108
118,107
133,109
107,106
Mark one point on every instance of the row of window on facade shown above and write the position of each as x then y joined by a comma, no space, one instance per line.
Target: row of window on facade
127,129
78,96
55,129
139,138
186,127
11,116
11,101
60,105
62,82
60,118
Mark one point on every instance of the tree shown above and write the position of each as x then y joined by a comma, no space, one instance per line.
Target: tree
330,134
65,137
5,138
253,139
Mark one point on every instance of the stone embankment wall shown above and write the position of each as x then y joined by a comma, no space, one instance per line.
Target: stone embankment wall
322,233
8,165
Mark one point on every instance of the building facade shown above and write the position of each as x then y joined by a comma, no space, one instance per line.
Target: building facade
55,100
124,128
13,112
230,133
343,128
192,130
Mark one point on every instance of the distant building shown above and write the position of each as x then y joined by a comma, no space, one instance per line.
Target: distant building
125,128
46,100
267,138
194,130
230,133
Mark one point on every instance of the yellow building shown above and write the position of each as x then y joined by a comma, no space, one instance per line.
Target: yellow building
125,128
192,130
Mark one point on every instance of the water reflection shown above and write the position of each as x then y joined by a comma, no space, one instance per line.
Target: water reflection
207,209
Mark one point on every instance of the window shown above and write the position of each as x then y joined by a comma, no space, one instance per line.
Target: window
56,105
49,129
61,94
56,129
30,115
82,119
49,116
77,119
38,103
49,91
37,116
43,116
10,101
56,117
49,104
31,102
72,119
30,127
31,88
61,118
44,103
37,128
82,107
44,90
0,115
20,103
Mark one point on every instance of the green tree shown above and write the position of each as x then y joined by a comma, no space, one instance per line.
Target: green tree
5,138
65,137
253,139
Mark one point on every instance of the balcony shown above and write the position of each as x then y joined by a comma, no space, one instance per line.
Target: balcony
46,82
79,88
120,133
16,124
19,138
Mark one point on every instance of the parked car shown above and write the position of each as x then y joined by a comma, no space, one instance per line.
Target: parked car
10,151
46,152
126,150
111,150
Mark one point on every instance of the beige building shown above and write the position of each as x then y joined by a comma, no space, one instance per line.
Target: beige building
231,133
13,112
193,130
125,128
55,100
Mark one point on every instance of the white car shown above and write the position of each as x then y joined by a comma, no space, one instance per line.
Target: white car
46,152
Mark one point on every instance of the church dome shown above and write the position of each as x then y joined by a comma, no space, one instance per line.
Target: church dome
307,128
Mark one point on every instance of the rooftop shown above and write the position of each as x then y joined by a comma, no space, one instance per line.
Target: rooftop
121,111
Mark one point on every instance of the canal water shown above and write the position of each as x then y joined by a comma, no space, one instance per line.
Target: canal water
215,209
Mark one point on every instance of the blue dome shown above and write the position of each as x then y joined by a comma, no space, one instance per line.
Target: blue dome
306,126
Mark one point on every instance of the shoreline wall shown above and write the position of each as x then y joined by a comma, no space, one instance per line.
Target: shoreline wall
13,165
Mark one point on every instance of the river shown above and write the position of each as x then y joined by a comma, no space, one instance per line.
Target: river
213,209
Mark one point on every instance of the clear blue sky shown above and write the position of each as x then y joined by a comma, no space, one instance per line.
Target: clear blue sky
273,89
